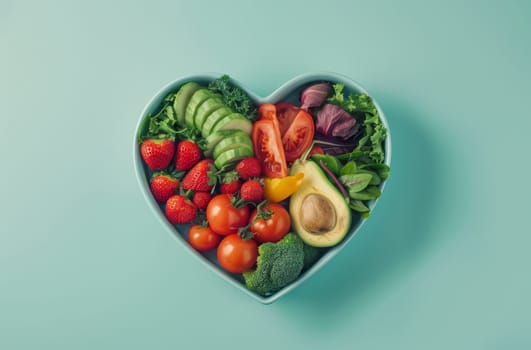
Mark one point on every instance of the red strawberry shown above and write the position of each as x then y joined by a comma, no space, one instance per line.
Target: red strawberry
248,168
230,183
163,186
157,153
187,155
197,179
201,199
252,191
179,210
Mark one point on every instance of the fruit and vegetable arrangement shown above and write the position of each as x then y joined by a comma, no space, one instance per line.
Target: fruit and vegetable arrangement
268,188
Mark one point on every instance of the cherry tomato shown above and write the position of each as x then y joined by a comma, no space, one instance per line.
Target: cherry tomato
272,228
237,255
223,217
202,238
316,150
268,144
296,128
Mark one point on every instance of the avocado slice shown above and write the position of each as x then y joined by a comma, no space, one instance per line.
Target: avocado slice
182,98
319,213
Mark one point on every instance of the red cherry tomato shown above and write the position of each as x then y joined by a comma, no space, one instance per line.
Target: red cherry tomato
237,255
202,238
316,150
223,217
272,228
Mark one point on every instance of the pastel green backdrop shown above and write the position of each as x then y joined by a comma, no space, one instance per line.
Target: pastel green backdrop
443,262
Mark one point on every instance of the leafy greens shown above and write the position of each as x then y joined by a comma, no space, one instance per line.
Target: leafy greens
374,132
233,96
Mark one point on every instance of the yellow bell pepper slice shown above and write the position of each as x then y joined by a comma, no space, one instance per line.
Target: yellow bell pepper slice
278,189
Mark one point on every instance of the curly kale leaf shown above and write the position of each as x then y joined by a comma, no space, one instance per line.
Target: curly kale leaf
233,96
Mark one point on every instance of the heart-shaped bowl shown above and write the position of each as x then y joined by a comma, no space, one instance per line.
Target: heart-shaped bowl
289,92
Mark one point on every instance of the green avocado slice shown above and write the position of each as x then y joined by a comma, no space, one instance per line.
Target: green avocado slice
319,213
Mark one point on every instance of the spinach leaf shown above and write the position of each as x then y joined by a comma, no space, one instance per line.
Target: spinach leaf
358,206
349,168
355,182
331,162
371,192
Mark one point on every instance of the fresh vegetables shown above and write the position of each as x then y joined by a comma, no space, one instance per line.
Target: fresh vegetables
336,122
270,223
315,95
300,167
296,129
224,216
202,238
267,142
237,255
374,131
233,96
278,264
277,190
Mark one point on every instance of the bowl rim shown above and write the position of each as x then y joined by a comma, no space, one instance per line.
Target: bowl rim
274,97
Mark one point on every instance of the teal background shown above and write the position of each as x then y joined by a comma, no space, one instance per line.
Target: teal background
443,263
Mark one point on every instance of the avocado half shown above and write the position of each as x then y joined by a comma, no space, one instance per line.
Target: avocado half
319,213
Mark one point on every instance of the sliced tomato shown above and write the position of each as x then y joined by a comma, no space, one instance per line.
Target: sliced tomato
296,129
267,111
286,113
268,145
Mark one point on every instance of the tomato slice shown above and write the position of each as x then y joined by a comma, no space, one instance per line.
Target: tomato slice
267,111
296,129
268,146
286,113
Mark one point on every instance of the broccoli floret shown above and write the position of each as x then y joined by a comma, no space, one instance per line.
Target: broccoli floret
311,255
278,264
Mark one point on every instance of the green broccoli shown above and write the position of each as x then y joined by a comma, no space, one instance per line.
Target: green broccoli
311,255
278,264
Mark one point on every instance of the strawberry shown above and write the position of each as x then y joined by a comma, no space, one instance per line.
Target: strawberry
248,168
157,153
201,199
197,179
163,186
252,191
230,183
179,210
187,155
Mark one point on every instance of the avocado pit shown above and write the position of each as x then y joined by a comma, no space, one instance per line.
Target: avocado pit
317,214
